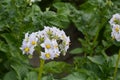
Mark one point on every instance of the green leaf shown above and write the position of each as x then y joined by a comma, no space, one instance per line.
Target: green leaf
31,76
56,67
113,60
48,77
36,9
10,76
51,19
76,51
20,70
4,47
76,76
97,59
104,43
12,44
63,12
62,8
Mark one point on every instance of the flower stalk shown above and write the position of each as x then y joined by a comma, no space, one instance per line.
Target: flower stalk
116,67
41,69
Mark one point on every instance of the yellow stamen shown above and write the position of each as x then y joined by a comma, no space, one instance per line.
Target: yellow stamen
117,29
33,42
47,55
56,46
26,49
116,21
56,55
48,46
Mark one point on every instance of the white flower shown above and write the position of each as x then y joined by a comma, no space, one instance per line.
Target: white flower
48,54
47,30
51,49
47,43
115,36
29,43
26,37
116,32
115,19
52,40
55,31
27,49
55,44
116,28
67,43
56,51
33,39
40,34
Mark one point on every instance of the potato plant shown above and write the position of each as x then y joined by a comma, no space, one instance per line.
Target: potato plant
37,39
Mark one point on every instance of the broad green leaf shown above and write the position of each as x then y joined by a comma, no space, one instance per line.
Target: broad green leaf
48,77
36,9
12,44
31,76
116,43
113,60
97,59
63,12
10,76
51,19
104,43
4,47
76,76
62,8
76,51
20,70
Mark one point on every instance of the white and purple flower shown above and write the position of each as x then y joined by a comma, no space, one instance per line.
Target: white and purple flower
52,40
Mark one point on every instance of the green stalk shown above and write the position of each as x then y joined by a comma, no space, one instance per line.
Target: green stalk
97,33
41,69
116,67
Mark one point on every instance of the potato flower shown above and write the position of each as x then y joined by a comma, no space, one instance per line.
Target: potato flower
116,32
115,19
51,40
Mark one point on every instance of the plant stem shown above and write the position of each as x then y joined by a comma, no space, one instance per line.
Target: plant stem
116,67
41,69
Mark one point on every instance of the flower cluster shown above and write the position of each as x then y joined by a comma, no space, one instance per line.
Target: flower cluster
115,23
51,42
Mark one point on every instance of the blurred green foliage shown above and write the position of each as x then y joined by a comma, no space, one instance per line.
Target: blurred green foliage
90,17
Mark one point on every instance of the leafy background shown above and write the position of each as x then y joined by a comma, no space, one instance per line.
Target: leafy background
92,54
